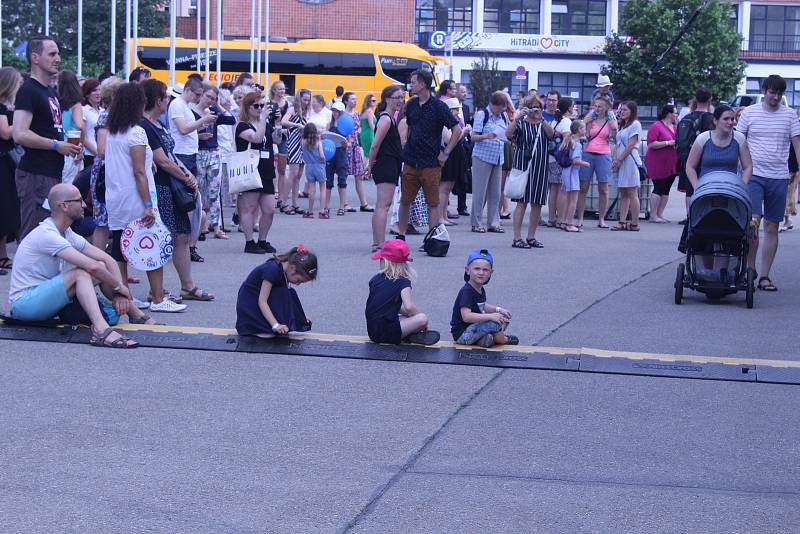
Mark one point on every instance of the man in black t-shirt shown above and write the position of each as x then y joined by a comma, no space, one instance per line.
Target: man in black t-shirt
37,127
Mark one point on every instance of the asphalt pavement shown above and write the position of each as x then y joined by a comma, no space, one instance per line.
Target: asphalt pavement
170,440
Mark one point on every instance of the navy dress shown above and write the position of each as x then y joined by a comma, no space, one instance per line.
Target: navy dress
383,309
282,301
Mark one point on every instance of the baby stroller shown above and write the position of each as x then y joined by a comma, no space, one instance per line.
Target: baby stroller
717,233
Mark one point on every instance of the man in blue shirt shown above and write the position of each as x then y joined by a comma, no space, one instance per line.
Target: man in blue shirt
423,157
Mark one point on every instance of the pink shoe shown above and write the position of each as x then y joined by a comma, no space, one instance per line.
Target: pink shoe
308,215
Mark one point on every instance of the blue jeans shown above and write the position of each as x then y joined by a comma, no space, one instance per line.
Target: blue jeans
475,331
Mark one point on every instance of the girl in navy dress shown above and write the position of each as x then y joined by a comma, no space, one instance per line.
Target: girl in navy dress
266,305
391,315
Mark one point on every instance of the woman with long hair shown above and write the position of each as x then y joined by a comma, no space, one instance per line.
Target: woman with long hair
661,161
294,121
355,154
530,133
625,164
10,82
255,132
71,99
91,112
601,130
385,159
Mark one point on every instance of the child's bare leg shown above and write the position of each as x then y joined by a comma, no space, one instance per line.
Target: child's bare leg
413,324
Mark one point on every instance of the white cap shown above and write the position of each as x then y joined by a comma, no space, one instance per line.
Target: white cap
338,106
453,103
603,81
176,90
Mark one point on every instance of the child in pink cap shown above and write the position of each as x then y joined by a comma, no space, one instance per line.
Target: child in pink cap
391,315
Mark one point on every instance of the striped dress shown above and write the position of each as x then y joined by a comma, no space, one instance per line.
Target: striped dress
525,137
294,141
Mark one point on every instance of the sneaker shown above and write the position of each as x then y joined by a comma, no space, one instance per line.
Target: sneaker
167,306
486,341
512,340
251,247
265,245
425,337
139,304
177,299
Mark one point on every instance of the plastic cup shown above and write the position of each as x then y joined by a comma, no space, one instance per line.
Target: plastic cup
74,137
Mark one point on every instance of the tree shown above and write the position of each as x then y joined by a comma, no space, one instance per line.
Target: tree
21,22
707,55
485,79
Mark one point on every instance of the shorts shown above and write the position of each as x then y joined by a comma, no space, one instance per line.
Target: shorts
599,164
283,147
315,173
116,246
42,302
385,331
475,331
413,178
768,197
387,171
684,185
662,186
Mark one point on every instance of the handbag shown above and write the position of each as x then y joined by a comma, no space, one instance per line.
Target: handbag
182,197
243,171
517,179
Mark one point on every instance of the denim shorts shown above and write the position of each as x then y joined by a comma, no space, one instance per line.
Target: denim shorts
42,302
475,331
768,197
316,173
599,164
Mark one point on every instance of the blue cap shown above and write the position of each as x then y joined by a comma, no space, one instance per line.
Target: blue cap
482,254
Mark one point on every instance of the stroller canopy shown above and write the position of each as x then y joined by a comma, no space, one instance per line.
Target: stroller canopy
720,191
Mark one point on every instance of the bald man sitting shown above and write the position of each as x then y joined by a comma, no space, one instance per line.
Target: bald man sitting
53,265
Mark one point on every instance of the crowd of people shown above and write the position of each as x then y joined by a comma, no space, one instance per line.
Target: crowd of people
81,159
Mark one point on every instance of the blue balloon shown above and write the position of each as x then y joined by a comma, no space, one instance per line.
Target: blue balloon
328,148
345,125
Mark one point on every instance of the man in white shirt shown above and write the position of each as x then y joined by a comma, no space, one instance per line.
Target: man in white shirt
183,125
53,265
772,129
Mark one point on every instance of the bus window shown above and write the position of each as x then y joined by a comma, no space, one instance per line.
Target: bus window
400,68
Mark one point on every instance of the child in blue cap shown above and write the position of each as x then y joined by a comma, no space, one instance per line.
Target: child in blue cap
474,321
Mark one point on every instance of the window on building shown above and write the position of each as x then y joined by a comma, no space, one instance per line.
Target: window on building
443,15
733,17
579,17
577,86
774,28
511,16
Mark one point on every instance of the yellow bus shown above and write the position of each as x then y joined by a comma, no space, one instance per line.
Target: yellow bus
364,67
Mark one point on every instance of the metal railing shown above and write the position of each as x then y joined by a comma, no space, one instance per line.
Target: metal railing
788,47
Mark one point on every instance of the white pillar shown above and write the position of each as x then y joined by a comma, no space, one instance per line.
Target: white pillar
135,30
258,41
173,22
477,16
252,33
208,44
546,18
127,54
266,43
219,42
197,35
113,43
79,69
47,17
744,23
612,16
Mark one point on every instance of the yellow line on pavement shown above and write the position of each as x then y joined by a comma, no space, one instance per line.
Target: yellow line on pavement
527,349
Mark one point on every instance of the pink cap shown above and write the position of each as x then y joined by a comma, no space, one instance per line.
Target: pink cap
394,250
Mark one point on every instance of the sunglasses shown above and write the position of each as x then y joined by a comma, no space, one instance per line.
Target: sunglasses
258,106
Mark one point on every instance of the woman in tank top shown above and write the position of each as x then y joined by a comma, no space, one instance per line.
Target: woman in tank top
720,149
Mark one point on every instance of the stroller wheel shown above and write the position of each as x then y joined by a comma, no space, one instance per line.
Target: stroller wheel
679,283
751,287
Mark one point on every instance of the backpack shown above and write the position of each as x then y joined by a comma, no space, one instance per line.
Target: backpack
687,131
562,156
486,117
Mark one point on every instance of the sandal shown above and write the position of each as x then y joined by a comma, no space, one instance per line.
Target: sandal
496,229
101,340
340,212
194,256
534,243
308,215
633,227
324,214
298,210
196,294
479,229
570,228
519,243
376,247
619,227
551,224
142,320
287,210
220,234
303,195
5,263
765,284
602,225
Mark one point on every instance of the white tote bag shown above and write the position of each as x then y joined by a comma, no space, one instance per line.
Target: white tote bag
518,179
243,171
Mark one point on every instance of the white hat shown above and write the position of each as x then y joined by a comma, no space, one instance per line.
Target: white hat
603,81
338,106
176,90
453,103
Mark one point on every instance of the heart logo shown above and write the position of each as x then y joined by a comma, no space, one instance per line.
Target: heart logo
546,42
146,243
